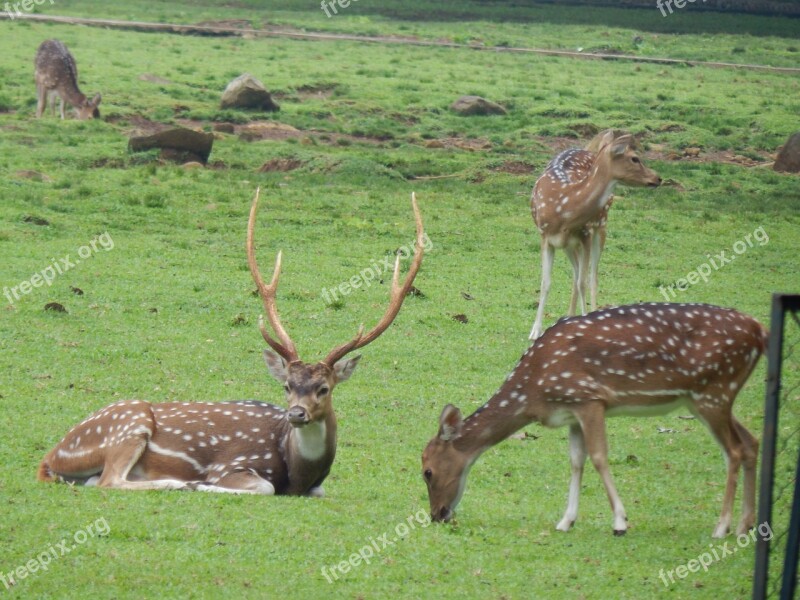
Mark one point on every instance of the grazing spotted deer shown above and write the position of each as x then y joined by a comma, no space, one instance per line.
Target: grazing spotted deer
57,75
644,359
237,447
570,203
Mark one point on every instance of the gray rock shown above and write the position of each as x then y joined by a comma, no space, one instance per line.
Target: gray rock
177,144
247,92
475,105
788,160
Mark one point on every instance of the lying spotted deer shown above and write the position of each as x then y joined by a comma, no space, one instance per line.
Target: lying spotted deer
644,359
57,75
238,447
570,203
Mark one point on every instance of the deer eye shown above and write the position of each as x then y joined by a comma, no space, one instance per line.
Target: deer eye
323,391
428,474
635,160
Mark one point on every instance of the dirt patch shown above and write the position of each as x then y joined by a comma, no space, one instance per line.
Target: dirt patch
146,126
229,23
318,91
515,167
586,130
281,165
108,163
274,130
266,130
33,176
696,155
471,145
154,79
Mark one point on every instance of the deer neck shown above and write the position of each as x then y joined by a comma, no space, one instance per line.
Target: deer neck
594,191
521,400
70,92
310,451
508,410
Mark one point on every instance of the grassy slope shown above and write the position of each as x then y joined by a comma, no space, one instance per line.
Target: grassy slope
179,250
687,34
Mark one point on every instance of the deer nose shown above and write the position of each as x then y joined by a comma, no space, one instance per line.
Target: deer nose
297,415
657,182
443,515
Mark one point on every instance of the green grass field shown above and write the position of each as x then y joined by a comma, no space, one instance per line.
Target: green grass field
168,313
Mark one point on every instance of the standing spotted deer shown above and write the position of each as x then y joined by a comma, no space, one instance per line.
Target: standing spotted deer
644,359
57,75
236,447
570,204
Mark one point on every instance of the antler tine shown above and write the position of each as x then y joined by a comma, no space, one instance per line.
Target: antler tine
396,298
284,347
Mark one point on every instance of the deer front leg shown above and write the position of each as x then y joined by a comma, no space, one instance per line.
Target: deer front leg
240,482
41,100
548,253
598,238
577,459
593,425
577,292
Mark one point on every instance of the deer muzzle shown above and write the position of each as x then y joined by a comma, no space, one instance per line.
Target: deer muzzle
443,515
298,416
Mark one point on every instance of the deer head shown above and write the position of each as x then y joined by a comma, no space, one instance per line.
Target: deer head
88,109
309,386
623,163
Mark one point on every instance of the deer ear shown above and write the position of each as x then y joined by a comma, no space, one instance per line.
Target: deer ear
600,141
276,366
96,100
621,144
618,149
606,138
450,423
345,368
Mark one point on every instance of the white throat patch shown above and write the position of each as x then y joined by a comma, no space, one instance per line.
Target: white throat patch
311,440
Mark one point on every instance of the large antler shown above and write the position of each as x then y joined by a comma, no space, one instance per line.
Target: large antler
267,292
397,296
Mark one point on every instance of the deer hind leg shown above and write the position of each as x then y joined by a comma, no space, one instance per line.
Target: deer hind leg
749,462
240,482
720,423
577,459
548,253
593,425
123,457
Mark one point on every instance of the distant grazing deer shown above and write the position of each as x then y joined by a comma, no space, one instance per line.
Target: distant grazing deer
570,203
234,447
643,359
57,75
